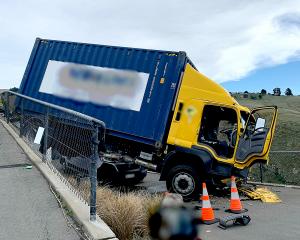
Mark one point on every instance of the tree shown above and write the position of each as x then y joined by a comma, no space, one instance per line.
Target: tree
245,95
263,92
288,92
277,92
14,89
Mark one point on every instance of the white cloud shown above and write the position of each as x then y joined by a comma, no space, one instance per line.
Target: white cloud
226,39
267,44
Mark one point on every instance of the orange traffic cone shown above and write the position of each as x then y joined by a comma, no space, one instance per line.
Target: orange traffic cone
207,215
235,203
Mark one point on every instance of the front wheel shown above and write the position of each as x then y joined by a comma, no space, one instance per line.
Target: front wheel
184,180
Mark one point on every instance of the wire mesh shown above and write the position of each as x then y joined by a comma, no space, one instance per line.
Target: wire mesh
283,168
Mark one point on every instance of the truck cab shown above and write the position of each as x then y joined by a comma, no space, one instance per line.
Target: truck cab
212,136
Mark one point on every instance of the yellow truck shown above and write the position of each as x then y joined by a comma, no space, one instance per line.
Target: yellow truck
212,136
161,113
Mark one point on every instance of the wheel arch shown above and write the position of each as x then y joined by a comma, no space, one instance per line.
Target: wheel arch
107,170
196,157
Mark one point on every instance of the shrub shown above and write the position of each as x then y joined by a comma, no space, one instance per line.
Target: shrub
127,214
277,91
263,92
288,92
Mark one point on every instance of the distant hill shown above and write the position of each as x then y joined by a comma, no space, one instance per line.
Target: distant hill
287,135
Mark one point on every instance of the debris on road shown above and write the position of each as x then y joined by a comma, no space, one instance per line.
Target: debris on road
264,194
250,192
234,220
268,196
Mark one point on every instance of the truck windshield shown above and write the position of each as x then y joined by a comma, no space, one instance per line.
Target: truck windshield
218,129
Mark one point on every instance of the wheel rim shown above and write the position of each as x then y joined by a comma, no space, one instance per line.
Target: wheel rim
183,183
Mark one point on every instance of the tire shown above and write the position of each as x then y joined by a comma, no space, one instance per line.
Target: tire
184,180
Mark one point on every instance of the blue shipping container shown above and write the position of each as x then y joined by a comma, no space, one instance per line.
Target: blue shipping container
144,118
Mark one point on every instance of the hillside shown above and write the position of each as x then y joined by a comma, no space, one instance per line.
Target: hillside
287,135
284,167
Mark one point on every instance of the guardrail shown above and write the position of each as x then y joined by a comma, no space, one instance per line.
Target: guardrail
66,140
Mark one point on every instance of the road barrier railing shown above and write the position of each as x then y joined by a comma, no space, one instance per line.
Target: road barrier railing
66,140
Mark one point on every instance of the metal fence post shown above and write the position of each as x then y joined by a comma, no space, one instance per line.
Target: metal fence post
261,172
93,173
7,107
46,133
22,118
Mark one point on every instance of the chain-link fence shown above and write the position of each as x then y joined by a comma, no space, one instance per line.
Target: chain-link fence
67,141
283,168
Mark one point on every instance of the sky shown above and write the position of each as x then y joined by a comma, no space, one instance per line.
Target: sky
283,76
240,44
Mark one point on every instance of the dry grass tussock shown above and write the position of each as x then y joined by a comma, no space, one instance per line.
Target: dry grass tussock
127,214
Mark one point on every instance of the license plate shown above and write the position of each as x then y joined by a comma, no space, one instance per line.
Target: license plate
130,175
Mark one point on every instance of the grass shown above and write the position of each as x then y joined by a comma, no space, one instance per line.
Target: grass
287,135
127,214
125,211
283,167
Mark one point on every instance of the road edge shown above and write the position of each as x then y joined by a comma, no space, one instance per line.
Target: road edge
98,230
274,184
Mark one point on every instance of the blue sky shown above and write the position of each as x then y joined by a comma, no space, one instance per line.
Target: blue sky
249,42
283,76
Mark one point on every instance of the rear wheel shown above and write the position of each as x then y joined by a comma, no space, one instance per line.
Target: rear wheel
184,180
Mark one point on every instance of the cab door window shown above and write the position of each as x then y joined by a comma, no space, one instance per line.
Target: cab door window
218,129
254,139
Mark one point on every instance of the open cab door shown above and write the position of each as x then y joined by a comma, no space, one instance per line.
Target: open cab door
255,141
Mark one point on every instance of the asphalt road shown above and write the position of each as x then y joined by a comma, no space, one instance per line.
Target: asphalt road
268,221
28,209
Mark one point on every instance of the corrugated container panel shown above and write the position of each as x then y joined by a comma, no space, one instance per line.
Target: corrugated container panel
150,124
